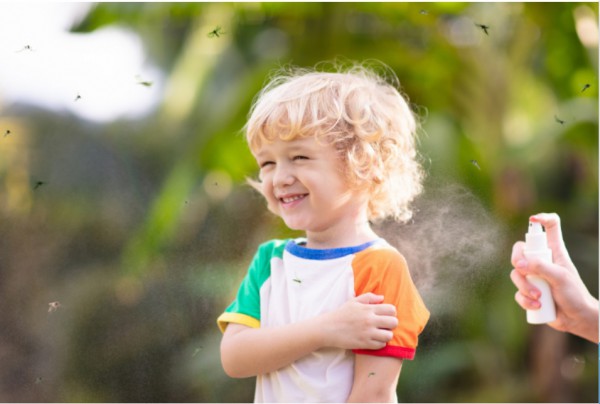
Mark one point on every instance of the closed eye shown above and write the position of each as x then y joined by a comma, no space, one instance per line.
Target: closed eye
266,163
300,158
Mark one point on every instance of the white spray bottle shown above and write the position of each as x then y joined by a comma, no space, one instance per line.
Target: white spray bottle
536,245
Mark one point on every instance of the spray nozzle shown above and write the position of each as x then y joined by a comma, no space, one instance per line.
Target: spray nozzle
535,228
535,239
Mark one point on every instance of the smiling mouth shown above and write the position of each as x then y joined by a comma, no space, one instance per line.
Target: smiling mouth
290,199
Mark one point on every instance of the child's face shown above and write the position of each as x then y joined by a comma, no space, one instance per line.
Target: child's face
304,184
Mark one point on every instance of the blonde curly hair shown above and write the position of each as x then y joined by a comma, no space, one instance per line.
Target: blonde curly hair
357,109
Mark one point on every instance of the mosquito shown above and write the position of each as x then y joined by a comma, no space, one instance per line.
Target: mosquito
144,83
78,97
371,374
8,132
217,32
26,47
484,28
298,281
476,164
38,380
587,85
38,184
196,351
423,12
53,306
557,119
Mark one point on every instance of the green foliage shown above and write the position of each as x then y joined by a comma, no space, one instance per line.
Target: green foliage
152,228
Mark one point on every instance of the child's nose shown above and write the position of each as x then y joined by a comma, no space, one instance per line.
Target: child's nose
284,176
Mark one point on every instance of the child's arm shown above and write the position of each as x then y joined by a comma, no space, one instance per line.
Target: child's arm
360,323
375,379
376,373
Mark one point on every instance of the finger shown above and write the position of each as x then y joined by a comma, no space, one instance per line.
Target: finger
369,298
383,336
517,254
387,323
375,344
527,303
551,223
555,275
385,309
525,288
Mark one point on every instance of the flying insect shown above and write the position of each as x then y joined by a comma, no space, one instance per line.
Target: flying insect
144,83
484,28
26,47
53,306
217,32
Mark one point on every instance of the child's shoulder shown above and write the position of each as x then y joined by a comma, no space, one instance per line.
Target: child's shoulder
274,243
266,251
273,247
383,249
382,255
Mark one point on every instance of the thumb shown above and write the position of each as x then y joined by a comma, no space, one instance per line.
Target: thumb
369,298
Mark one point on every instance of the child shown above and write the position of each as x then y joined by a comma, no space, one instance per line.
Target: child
328,317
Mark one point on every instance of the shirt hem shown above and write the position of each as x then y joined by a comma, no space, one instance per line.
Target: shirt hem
390,350
238,318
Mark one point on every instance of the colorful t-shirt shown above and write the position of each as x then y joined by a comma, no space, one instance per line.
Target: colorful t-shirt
287,283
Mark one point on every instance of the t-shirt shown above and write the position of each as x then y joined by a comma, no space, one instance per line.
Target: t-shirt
287,283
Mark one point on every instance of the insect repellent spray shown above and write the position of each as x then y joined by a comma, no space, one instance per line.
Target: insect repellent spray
536,246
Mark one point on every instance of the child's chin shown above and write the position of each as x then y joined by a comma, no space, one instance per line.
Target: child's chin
294,225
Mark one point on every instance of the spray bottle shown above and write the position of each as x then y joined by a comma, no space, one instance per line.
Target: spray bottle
536,246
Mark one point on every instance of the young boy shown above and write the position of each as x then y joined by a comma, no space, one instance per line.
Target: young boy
328,317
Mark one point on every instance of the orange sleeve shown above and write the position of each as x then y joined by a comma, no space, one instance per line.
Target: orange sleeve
384,271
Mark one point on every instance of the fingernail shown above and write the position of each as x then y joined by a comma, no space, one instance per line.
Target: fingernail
522,263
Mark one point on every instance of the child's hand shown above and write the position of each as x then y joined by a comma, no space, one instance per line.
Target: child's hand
576,309
361,323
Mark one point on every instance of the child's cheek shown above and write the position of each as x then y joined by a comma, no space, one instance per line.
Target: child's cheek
267,192
272,205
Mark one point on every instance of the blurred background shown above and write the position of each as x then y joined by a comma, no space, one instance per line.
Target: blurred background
126,224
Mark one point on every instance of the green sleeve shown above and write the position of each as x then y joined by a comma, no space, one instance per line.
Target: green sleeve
245,309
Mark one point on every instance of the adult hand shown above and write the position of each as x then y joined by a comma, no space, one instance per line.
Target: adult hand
576,308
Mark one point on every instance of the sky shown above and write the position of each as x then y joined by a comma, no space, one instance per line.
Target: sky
41,63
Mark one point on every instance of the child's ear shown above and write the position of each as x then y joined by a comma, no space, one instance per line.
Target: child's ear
258,187
254,184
